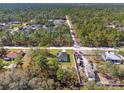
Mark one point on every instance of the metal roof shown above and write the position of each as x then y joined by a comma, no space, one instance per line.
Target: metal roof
112,56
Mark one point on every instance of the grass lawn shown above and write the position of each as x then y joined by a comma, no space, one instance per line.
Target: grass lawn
64,64
7,63
121,66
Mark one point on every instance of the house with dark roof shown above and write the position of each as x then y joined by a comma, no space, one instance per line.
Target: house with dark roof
111,57
63,56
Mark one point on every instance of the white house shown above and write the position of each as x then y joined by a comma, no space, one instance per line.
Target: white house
114,58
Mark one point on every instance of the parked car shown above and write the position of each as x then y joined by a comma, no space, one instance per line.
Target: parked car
7,59
81,63
73,33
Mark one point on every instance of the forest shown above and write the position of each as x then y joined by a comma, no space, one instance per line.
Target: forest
99,26
95,26
53,30
40,74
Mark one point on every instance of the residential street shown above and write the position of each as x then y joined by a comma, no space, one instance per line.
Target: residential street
71,48
72,32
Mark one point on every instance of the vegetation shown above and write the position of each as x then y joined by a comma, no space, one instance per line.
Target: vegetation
44,71
41,73
111,70
91,26
52,35
1,64
58,36
86,21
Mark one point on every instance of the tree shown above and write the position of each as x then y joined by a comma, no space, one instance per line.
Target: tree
54,64
18,59
60,74
1,64
39,57
3,51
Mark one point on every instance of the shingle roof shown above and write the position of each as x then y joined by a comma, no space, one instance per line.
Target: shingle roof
62,56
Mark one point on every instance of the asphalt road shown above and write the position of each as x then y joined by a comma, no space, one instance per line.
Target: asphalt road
68,48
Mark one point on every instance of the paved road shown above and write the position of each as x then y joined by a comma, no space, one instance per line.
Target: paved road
71,48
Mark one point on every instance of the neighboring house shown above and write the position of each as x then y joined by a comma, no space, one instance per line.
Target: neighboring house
16,22
90,72
10,56
111,26
2,24
59,22
50,20
120,29
63,56
113,58
88,69
45,27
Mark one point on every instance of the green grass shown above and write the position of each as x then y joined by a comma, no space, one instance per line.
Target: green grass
7,63
64,64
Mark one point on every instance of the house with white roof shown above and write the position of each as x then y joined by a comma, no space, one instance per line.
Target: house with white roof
113,58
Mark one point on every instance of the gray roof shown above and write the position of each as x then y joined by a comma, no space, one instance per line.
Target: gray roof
90,71
62,57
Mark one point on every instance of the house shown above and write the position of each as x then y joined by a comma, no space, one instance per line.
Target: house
111,26
59,22
120,29
63,56
2,24
90,72
16,22
111,57
11,55
50,20
45,27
